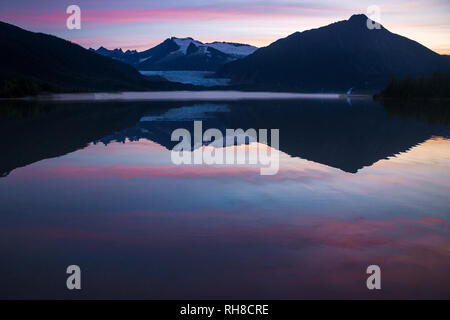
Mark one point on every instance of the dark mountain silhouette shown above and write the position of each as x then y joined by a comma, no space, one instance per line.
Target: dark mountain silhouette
62,65
181,54
336,57
128,56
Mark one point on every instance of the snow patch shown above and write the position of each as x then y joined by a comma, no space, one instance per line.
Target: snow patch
143,59
233,48
184,43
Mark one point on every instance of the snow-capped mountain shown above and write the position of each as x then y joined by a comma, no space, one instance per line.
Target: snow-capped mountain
182,54
235,49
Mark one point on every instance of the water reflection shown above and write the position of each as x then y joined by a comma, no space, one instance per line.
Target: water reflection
329,132
356,187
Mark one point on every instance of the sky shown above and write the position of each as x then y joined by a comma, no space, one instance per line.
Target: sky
140,24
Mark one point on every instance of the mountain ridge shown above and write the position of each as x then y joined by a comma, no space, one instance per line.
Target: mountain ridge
181,54
49,58
32,62
342,55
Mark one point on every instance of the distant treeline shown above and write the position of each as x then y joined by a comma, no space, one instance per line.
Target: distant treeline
21,87
436,86
425,98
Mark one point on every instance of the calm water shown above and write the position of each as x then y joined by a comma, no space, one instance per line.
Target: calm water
92,184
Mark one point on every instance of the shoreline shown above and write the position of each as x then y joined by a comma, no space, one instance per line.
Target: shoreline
206,95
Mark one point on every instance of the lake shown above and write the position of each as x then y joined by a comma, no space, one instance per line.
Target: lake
91,183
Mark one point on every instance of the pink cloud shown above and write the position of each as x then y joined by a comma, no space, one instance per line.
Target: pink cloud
168,14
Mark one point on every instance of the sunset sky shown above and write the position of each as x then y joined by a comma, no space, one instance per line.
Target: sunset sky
139,24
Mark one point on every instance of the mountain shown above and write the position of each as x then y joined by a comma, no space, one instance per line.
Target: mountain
28,59
129,56
342,55
181,54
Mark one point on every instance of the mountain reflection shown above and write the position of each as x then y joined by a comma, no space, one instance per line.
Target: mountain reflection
348,136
